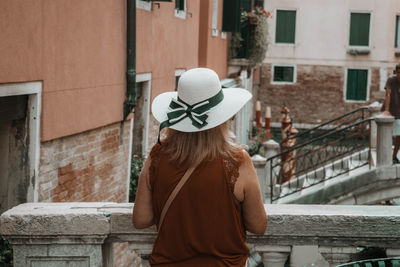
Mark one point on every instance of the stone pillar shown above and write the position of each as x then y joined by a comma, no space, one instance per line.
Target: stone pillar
384,140
259,163
273,256
337,255
56,234
374,110
271,149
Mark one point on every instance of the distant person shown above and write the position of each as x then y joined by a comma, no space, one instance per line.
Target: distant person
206,222
392,107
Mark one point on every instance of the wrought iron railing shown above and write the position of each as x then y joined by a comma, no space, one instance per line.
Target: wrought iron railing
332,125
322,158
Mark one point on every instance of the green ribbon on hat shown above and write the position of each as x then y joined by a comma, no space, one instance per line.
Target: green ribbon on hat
196,112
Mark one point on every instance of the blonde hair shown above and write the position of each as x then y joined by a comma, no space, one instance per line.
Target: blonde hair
192,148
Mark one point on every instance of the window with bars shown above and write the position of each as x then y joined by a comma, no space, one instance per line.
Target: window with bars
285,31
284,74
357,82
359,29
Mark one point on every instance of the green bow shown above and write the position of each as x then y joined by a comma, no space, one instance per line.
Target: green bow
196,112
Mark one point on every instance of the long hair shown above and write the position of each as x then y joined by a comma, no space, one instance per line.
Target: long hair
192,148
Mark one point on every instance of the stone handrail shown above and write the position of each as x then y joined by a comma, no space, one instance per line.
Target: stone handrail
83,233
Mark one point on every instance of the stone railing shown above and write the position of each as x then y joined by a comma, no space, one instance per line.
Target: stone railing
82,234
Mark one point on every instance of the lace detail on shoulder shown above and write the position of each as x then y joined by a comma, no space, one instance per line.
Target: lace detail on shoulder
231,167
155,159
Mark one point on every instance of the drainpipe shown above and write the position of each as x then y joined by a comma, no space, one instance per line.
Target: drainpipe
130,101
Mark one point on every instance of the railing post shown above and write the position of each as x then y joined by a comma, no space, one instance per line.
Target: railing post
273,256
337,255
374,110
384,140
271,149
259,163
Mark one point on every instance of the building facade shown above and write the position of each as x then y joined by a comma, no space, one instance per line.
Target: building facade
328,57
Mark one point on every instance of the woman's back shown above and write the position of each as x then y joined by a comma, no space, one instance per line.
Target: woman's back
203,226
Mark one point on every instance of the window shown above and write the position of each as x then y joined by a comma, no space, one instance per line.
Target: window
285,31
359,29
214,31
231,10
357,81
397,33
180,9
284,74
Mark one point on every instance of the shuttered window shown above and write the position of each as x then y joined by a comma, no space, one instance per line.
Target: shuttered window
397,34
357,81
359,29
231,14
284,74
285,31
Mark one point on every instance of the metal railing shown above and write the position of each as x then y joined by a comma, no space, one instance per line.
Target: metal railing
332,125
322,158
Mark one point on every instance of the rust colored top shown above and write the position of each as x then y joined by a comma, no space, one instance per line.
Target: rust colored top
203,226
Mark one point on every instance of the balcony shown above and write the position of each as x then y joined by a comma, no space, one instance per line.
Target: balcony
83,233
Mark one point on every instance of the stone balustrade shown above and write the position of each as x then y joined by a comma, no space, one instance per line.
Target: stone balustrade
82,234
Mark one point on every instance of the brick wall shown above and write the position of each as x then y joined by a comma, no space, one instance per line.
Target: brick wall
90,166
316,96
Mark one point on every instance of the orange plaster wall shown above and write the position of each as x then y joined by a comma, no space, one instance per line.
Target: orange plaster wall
216,54
78,49
165,43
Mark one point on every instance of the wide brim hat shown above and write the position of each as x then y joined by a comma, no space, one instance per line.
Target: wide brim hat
199,103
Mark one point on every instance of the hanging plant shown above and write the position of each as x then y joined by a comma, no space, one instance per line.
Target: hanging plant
254,25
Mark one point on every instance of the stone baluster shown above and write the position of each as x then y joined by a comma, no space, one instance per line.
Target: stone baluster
259,163
392,252
374,110
337,255
273,256
271,149
384,140
142,250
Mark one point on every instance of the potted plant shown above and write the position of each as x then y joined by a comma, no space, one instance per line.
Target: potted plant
253,36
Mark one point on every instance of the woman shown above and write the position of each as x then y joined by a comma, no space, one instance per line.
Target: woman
205,223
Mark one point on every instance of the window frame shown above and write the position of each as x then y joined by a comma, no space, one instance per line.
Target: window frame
360,47
145,5
178,73
179,13
276,23
283,65
346,69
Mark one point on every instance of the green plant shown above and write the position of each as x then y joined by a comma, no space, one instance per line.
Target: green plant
136,167
256,142
6,253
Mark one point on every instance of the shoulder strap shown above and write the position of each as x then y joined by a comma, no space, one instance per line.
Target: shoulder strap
171,197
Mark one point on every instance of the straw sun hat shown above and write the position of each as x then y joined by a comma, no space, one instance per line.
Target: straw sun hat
199,104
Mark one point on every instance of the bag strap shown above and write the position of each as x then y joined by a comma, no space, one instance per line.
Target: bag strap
171,197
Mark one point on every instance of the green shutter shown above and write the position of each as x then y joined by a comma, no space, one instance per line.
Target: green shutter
359,29
285,26
231,16
357,81
283,74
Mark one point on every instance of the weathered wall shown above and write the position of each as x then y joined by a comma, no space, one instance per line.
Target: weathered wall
77,48
91,166
317,96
